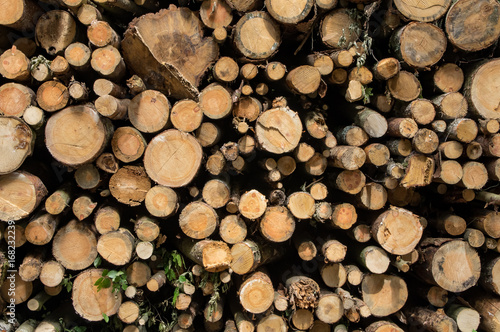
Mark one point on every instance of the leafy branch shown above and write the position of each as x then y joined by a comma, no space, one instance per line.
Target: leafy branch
117,279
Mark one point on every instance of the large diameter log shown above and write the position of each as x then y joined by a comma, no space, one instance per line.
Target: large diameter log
14,65
55,20
173,158
397,230
473,25
91,303
423,11
77,135
290,12
75,246
453,265
198,220
117,246
168,51
384,294
256,293
260,45
20,194
15,99
483,96
408,46
278,130
16,143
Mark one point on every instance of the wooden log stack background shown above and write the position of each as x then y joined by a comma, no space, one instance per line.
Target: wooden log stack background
249,165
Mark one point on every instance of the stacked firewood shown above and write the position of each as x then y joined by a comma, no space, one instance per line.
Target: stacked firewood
249,165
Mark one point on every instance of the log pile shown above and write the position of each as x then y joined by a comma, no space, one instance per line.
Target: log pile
230,165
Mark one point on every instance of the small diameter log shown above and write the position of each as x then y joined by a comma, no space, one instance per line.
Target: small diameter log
147,229
41,228
487,221
371,121
138,274
416,54
36,303
304,292
278,130
116,247
352,135
28,326
61,70
373,196
215,14
161,201
404,86
377,154
78,56
316,125
215,164
226,70
318,191
450,106
451,149
30,268
89,133
20,194
107,162
252,204
304,79
374,259
248,108
302,319
474,237
290,13
475,175
14,65
466,318
463,130
333,251
347,157
423,12
107,62
78,91
83,207
100,34
104,87
87,177
490,145
425,141
402,127
111,107
277,224
214,256
209,134
386,68
34,117
397,230
420,110
268,32
333,275
23,289
429,320
344,216
330,308
75,246
215,101
323,62
128,144
361,74
198,220
91,303
16,143
168,171
442,261
450,224
301,205
486,30
15,99
107,219
130,185
128,312
52,96
272,322
334,29
354,91
384,294
232,229
305,246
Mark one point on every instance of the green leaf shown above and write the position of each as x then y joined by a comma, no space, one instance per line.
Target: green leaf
176,295
182,278
97,261
105,272
124,286
106,318
112,274
106,283
98,281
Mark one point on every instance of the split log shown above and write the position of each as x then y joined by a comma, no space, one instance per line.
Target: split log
214,256
155,38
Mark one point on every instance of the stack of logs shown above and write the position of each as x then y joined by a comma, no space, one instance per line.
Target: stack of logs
249,165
